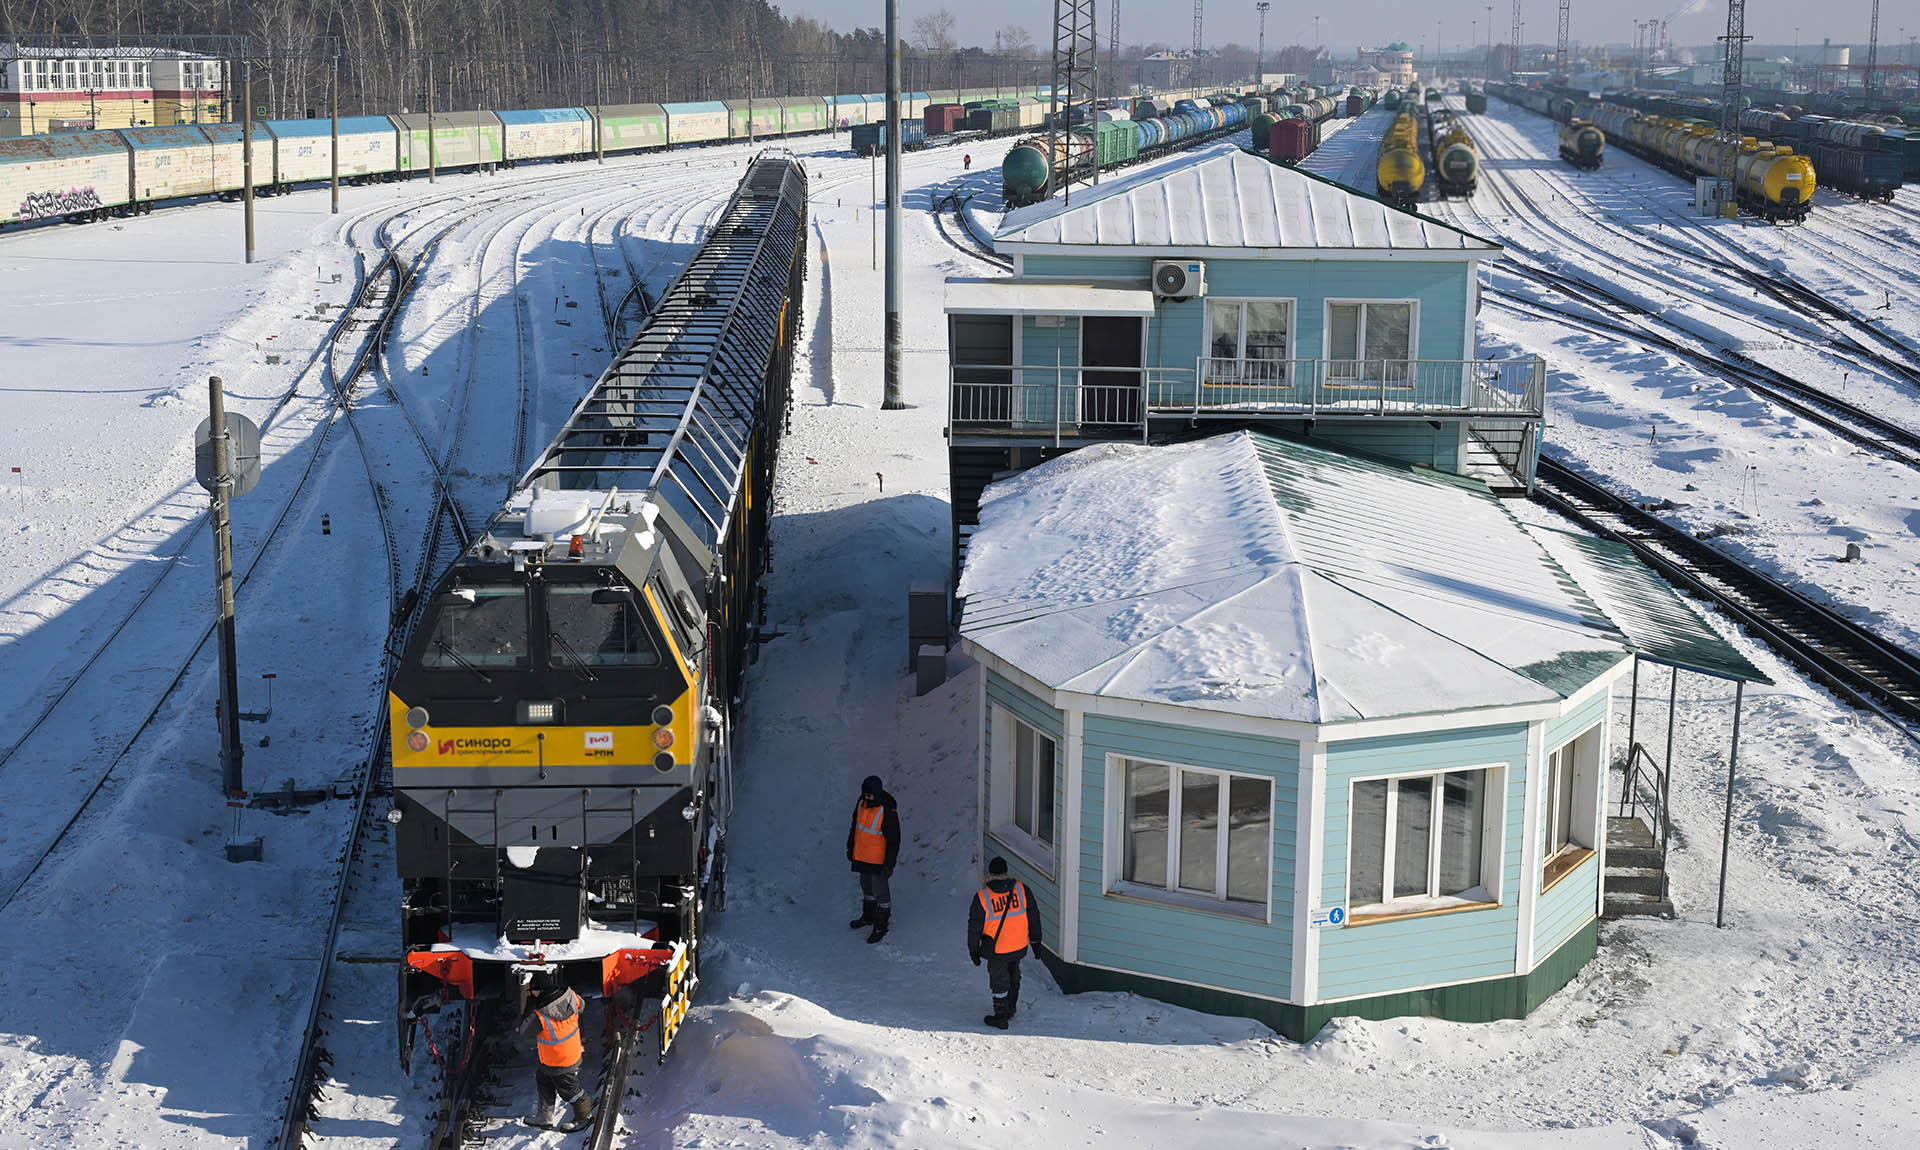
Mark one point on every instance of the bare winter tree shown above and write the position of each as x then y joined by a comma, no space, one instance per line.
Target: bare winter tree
933,32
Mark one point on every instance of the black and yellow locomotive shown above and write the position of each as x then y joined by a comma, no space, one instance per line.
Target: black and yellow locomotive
561,714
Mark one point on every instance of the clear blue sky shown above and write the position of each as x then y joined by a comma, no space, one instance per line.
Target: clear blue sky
1343,24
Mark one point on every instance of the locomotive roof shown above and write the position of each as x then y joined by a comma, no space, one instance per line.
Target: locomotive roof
1227,203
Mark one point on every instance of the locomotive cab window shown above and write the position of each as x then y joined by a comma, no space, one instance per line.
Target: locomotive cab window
478,627
597,626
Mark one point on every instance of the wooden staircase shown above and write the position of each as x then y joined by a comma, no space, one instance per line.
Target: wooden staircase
1636,880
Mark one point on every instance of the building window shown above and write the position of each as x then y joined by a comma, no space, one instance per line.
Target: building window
1024,786
1370,341
1253,334
1567,824
1418,842
1204,834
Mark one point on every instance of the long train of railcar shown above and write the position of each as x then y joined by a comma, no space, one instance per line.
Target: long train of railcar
1035,167
1772,181
1456,161
1399,173
561,716
84,176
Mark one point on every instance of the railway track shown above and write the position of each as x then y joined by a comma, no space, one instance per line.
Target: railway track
974,245
1851,660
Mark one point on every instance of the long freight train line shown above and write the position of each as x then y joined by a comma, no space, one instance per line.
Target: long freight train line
1837,652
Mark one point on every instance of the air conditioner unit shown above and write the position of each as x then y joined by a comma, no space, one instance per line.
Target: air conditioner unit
1179,279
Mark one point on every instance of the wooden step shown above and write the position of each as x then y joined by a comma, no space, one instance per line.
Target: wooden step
1633,880
1637,906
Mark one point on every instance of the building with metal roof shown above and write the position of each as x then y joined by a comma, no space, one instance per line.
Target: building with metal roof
1229,291
1270,727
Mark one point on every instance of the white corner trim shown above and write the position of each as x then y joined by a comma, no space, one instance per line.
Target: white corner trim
1602,807
1528,896
1067,855
1309,869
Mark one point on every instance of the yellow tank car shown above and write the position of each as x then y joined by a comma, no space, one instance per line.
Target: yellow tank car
1777,182
1400,175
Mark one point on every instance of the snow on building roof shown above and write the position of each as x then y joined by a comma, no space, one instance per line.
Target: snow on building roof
1230,199
1266,577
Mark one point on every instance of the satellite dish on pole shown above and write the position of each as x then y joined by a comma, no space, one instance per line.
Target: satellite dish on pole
243,454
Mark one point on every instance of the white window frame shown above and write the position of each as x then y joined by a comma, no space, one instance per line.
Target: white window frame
1171,892
1581,830
1006,729
1206,321
1360,338
1492,843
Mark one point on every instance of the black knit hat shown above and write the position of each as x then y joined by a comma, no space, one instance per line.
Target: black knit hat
870,785
997,866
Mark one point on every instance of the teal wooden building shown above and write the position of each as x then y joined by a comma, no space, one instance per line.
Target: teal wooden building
1285,713
1231,292
1272,729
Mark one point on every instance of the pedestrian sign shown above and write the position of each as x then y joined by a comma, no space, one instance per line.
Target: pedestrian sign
260,112
1322,917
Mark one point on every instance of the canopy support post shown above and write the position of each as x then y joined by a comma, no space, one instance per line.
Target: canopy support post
1726,825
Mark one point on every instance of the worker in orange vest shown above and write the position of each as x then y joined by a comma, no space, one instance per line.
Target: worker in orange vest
873,846
554,1025
1000,927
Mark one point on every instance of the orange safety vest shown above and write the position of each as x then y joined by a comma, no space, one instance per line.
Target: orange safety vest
1006,922
869,842
560,1041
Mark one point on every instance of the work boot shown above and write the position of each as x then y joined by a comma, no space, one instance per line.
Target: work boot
545,1115
1002,1014
866,915
880,919
582,1113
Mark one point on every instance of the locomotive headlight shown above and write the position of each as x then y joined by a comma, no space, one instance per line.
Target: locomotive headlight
663,738
537,710
416,717
393,816
662,716
416,741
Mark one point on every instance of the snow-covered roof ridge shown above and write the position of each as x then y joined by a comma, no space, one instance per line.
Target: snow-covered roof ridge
1225,198
1268,577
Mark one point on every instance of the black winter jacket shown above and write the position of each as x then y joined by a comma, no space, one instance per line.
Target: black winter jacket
979,942
889,828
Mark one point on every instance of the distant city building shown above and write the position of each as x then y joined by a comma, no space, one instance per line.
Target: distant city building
44,91
1394,62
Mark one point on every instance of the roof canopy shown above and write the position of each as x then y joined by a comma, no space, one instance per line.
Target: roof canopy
1025,297
1276,579
1230,199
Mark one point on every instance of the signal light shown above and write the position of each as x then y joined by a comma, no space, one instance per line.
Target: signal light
578,547
662,716
663,738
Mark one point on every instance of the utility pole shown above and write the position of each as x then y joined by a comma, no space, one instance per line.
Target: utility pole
1513,65
231,752
1560,48
1113,47
246,152
1260,54
892,400
333,111
1193,70
433,154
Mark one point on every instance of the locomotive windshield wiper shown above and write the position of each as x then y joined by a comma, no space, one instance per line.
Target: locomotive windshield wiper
447,649
579,664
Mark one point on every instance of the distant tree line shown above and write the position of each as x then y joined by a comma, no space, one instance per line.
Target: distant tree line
398,54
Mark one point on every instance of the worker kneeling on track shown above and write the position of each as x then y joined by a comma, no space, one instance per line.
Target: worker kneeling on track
554,1025
1000,929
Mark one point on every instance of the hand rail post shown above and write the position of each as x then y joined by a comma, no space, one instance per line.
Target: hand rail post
1633,718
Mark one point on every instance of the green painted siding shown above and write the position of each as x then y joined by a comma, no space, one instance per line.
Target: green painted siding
1045,890
1215,948
1567,907
1385,957
1513,996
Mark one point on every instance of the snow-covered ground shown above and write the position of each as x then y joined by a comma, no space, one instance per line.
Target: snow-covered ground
155,991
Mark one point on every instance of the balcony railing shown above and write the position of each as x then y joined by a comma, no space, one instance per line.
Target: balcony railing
1066,401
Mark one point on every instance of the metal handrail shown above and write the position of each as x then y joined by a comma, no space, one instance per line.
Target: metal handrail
1657,802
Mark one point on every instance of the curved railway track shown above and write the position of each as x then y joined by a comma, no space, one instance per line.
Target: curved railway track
1855,663
974,246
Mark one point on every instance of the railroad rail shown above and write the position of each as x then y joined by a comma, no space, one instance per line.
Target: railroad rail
1855,663
975,245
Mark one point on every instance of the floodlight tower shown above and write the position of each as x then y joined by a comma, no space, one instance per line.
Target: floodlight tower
1560,49
1513,65
1113,48
1193,69
1730,86
1260,53
1073,72
1873,50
